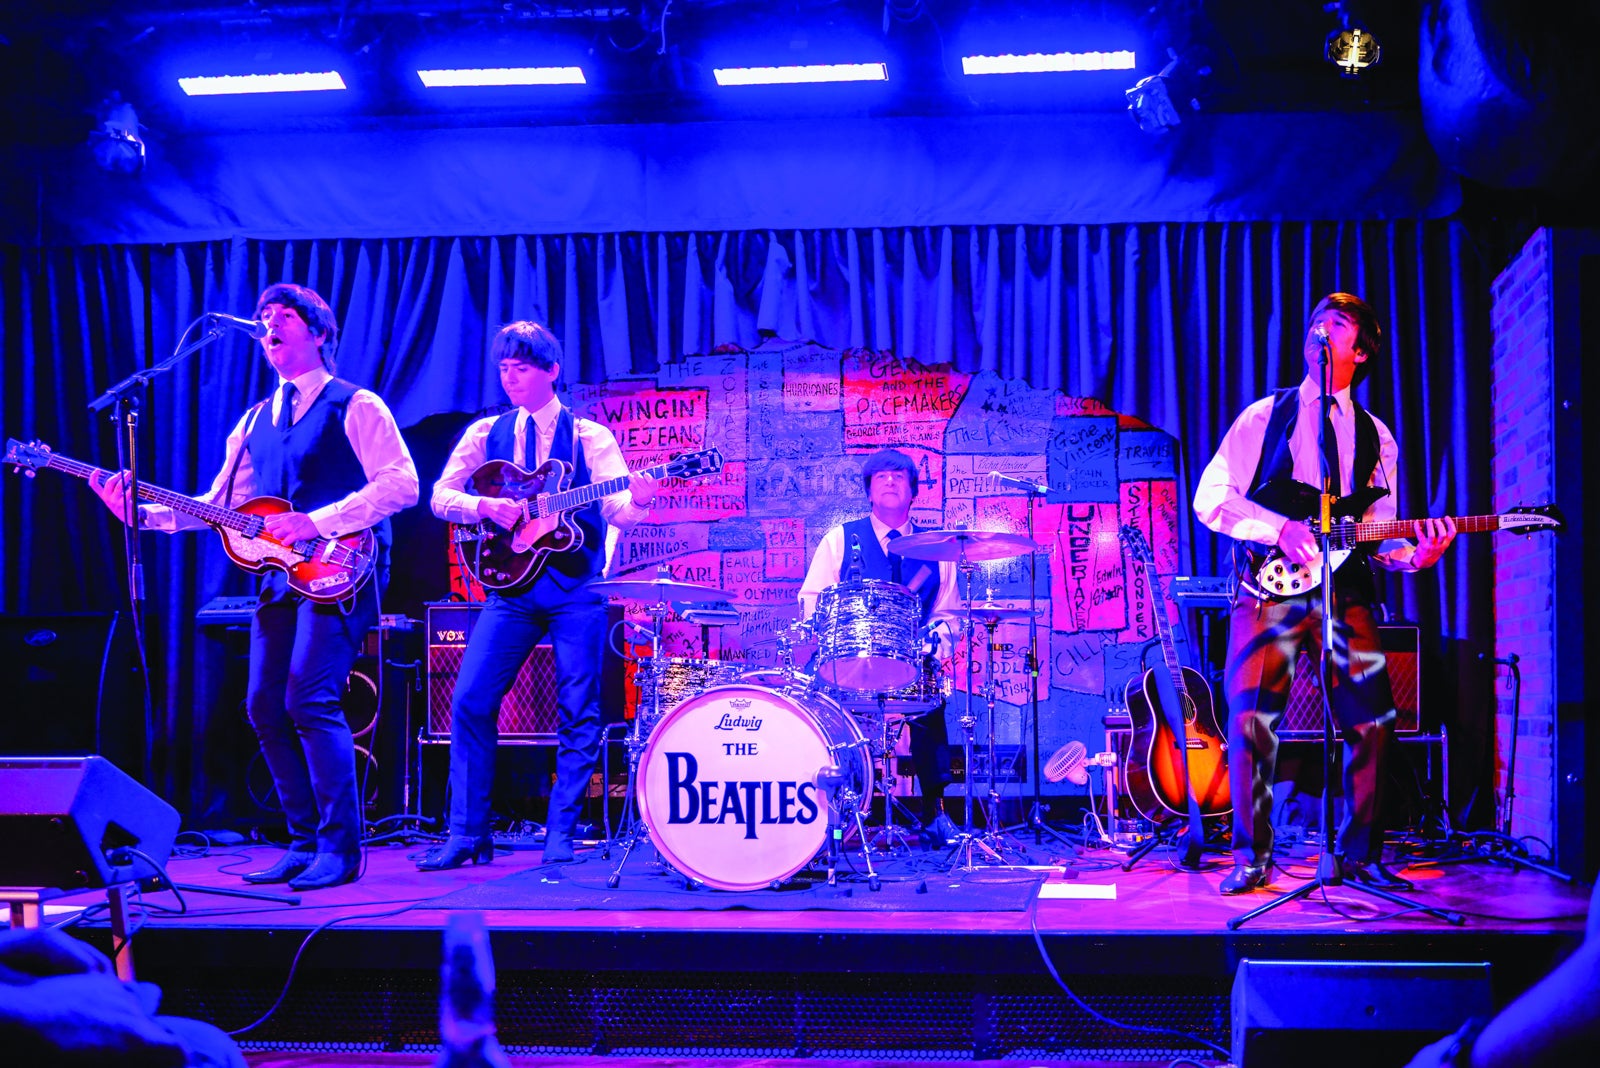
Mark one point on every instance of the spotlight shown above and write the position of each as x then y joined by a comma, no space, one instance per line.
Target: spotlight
1352,50
116,145
1150,103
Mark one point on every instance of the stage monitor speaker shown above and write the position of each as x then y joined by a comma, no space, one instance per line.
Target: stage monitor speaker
1302,718
1338,1013
528,713
69,822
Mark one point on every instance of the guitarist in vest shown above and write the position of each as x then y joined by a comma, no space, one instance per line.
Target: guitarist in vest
556,603
1271,446
890,479
335,452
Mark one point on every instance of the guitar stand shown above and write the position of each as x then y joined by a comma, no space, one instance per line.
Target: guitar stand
1172,833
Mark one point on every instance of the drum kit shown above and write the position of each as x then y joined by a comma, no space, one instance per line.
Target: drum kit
740,779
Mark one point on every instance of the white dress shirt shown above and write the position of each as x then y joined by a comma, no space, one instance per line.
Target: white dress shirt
827,569
1220,501
453,503
392,483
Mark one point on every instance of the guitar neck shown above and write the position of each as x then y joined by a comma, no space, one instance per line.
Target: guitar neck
209,513
1406,528
570,500
1169,651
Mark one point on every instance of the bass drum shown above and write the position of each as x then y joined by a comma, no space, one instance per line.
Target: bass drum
740,784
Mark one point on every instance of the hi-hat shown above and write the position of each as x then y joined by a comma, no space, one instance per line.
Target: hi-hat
662,588
988,613
963,544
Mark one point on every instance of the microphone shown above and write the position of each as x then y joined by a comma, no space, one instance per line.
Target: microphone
855,559
254,327
1019,483
1320,332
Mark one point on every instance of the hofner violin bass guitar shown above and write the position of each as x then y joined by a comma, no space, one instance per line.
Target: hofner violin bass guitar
510,559
1279,577
1178,755
319,569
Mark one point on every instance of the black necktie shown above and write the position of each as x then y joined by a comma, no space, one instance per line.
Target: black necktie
286,407
1330,452
894,558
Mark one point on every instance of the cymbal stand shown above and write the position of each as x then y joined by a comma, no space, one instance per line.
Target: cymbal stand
890,833
967,842
633,828
993,833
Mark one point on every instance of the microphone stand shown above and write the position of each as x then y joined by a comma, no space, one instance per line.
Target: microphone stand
123,398
1036,814
1330,867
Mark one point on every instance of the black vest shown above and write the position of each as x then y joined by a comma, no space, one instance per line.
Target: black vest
312,462
585,563
877,564
1353,580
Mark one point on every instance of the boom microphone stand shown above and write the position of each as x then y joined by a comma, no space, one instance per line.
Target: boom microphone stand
1330,867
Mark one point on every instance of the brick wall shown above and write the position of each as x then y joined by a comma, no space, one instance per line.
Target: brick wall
1522,404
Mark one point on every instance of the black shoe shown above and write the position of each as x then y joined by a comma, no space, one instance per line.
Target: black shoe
328,869
1374,875
558,848
1243,878
289,865
456,851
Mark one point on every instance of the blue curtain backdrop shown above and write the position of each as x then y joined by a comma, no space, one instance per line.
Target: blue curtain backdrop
1181,324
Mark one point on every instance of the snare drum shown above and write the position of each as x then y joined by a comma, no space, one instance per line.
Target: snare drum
867,635
931,688
676,679
740,784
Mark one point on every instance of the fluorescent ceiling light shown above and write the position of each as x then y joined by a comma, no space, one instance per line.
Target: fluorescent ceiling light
817,72
229,84
435,79
1053,63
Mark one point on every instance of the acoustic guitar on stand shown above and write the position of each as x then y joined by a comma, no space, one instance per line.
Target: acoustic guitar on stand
319,569
508,559
1168,767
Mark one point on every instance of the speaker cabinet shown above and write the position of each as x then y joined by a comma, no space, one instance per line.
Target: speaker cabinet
69,822
1338,1013
1302,718
528,713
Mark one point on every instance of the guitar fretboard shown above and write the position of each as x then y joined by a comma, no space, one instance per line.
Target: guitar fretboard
1346,534
210,513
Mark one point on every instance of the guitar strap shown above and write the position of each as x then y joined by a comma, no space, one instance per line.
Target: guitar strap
238,457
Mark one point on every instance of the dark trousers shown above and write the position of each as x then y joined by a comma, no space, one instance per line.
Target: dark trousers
506,632
301,654
1264,642
930,755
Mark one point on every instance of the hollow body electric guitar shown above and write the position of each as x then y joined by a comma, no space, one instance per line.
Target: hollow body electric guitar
510,559
319,569
1178,760
1278,577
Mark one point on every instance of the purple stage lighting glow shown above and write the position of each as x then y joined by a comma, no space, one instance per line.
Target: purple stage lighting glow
1051,63
234,84
816,72
436,79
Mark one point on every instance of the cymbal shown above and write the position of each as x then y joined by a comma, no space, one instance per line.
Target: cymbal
660,589
997,613
956,544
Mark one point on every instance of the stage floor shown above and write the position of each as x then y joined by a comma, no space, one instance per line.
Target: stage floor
356,967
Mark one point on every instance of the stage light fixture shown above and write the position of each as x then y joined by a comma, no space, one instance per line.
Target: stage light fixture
808,74
116,144
502,76
235,84
1352,49
1048,63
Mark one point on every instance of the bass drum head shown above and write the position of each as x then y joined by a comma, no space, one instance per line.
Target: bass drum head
728,783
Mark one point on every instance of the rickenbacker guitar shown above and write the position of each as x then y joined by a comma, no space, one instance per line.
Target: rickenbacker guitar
319,569
508,559
1278,577
1177,751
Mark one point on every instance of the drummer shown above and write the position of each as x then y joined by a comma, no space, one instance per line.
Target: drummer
890,478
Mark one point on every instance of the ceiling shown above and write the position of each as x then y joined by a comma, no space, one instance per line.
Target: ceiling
650,60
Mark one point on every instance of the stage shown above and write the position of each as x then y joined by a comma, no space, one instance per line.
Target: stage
960,964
